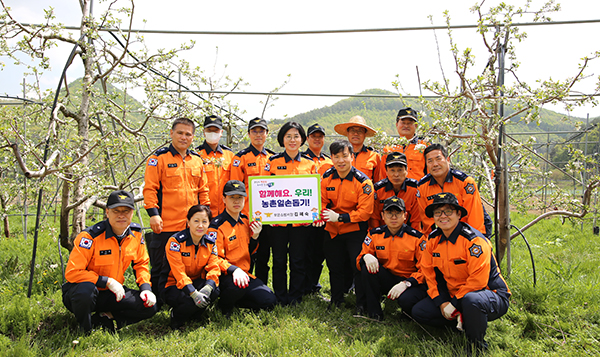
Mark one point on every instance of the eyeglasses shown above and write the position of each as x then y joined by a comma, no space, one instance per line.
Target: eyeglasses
448,212
357,130
390,214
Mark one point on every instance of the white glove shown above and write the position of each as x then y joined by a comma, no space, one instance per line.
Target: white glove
256,228
240,278
202,298
397,290
460,322
116,288
448,311
329,215
372,263
148,298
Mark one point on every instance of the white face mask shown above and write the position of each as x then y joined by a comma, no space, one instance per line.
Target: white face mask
212,138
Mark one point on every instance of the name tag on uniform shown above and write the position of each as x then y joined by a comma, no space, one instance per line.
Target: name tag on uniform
281,167
172,165
252,164
330,189
232,238
185,254
105,252
436,255
380,247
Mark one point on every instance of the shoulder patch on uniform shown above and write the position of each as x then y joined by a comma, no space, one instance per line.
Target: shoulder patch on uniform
367,240
174,247
423,245
305,156
211,237
86,243
418,194
268,166
270,151
413,232
216,222
226,148
470,188
236,162
243,152
180,237
367,189
152,161
192,152
467,232
276,156
475,250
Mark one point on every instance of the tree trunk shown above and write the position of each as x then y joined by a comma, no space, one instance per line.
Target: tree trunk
503,212
65,242
5,218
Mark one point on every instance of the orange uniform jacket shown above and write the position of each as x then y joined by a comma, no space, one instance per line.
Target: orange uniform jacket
351,197
367,160
282,164
399,253
461,263
188,262
463,187
216,165
246,163
408,193
173,185
234,242
97,256
322,161
414,158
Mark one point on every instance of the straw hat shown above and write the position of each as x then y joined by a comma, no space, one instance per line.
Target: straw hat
356,120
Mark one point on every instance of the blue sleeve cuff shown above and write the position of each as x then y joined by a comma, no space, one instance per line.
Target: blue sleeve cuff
439,300
145,286
188,289
412,281
152,212
231,269
345,217
456,303
211,283
102,280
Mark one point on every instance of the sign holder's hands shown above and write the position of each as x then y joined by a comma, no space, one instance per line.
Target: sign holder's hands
256,228
329,215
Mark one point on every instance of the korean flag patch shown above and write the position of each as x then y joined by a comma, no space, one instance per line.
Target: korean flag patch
268,167
152,162
174,247
212,236
85,243
236,163
475,250
423,245
367,241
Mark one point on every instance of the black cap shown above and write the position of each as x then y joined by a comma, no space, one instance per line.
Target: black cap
407,113
396,158
314,129
213,120
444,198
120,198
394,202
234,187
258,122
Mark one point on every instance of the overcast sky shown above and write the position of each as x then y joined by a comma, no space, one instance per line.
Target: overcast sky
329,63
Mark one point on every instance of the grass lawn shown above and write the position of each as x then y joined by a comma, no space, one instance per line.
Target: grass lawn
560,316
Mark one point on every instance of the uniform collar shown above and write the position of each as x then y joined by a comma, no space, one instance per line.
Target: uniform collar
189,241
208,149
109,232
390,187
288,158
256,152
348,177
400,232
363,149
174,151
454,235
313,155
449,178
230,219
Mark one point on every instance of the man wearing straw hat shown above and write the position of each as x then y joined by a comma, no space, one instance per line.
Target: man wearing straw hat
366,159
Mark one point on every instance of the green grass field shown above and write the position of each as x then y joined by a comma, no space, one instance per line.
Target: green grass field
558,317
